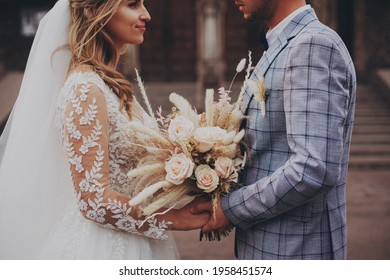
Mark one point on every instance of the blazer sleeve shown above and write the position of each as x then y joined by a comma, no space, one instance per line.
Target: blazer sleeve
316,101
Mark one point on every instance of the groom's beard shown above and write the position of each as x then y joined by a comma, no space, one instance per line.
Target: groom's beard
265,11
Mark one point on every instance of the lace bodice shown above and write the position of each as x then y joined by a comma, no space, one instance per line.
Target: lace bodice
96,136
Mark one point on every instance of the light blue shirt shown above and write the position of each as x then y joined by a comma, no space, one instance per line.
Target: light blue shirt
274,33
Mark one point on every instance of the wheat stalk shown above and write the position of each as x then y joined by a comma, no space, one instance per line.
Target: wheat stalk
248,73
209,107
144,95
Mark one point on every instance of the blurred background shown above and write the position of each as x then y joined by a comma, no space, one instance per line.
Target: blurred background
191,45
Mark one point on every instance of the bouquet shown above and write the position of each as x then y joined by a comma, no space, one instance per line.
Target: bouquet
189,153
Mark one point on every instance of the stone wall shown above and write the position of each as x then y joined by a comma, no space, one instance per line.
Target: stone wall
377,35
169,52
364,26
14,47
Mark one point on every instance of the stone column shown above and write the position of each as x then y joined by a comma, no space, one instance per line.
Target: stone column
210,44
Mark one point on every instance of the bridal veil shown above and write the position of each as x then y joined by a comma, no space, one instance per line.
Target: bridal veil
34,179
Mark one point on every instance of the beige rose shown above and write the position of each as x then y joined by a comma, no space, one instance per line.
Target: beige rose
180,128
178,168
224,167
206,137
206,178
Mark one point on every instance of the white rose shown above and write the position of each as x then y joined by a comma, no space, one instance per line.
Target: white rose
224,167
178,168
180,128
206,137
206,178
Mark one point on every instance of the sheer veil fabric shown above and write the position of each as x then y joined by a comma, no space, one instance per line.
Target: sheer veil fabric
35,182
34,179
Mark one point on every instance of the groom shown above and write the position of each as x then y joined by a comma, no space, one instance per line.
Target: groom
292,205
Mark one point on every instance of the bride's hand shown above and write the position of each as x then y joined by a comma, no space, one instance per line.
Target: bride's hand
185,219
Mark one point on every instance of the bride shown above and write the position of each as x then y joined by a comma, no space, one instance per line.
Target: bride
64,154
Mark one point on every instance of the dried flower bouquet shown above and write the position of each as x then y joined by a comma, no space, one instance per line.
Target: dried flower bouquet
189,153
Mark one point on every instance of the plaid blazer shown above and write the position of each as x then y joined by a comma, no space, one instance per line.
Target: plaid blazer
292,205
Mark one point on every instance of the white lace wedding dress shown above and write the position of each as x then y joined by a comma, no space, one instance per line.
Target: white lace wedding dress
95,135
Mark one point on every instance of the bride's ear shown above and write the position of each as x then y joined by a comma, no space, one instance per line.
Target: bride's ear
94,14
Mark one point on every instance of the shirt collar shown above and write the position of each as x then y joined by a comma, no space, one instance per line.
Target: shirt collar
273,34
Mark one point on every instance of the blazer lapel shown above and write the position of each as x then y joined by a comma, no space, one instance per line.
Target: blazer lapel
291,30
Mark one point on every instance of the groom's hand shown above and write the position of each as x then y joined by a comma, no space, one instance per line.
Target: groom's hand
185,219
218,223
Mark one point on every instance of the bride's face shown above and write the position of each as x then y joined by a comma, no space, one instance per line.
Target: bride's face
128,24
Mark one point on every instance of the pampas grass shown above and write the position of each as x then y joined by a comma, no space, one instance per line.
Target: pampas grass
172,198
145,169
139,128
184,107
147,192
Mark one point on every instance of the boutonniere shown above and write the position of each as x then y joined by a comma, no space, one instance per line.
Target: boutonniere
258,90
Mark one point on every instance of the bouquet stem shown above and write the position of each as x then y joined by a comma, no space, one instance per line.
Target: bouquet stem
214,235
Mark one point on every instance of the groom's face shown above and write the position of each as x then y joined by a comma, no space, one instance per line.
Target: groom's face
260,9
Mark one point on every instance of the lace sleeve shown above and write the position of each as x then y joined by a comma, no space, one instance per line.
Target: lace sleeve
86,143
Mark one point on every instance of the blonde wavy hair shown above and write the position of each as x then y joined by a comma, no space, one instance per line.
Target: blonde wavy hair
92,46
